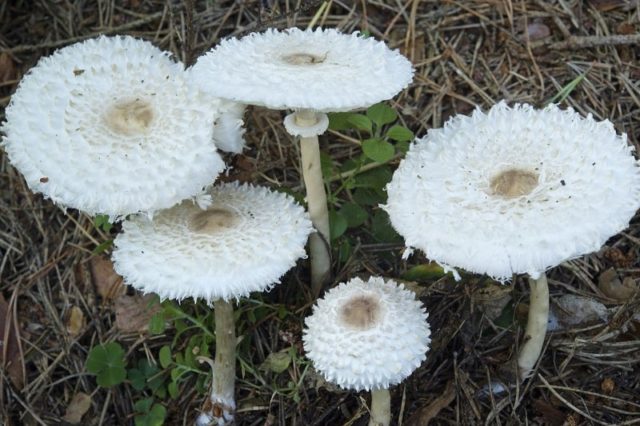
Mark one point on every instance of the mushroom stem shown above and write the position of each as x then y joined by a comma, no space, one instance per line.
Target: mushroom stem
222,405
319,242
536,326
380,408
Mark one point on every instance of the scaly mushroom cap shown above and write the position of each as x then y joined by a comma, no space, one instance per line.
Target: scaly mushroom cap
514,190
367,335
244,241
228,133
110,125
323,70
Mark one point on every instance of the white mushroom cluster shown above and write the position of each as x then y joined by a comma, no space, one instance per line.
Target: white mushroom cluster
514,190
367,335
243,242
311,72
111,126
322,70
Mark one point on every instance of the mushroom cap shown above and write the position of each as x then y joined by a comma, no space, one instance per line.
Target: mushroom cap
514,190
228,132
110,125
367,335
320,69
244,241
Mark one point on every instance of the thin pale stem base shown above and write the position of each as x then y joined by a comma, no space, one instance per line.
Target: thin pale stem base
222,405
380,408
319,243
536,326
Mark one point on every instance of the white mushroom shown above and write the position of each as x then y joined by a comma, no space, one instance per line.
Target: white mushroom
243,242
321,70
368,336
110,125
310,72
228,133
515,190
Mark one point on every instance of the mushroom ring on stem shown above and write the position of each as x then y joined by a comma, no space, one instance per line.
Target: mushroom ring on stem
368,335
311,72
512,191
243,242
132,132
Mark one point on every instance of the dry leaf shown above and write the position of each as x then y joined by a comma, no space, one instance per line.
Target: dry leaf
75,321
7,68
133,313
608,385
108,283
611,286
79,405
13,363
429,412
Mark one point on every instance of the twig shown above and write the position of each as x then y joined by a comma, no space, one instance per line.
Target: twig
583,42
189,34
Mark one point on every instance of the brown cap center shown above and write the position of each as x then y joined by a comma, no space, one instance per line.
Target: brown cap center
129,118
361,312
212,220
514,183
302,59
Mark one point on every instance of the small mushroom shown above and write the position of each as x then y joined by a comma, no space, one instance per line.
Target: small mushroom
111,125
515,190
243,242
310,72
368,335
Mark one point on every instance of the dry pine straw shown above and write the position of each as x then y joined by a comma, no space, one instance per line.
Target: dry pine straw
466,53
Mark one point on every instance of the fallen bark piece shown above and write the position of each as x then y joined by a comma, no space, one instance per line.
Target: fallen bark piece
133,313
108,283
78,407
75,321
620,290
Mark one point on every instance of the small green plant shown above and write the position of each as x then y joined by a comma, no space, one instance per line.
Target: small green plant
109,365
566,91
107,362
184,364
102,223
149,413
148,378
363,179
